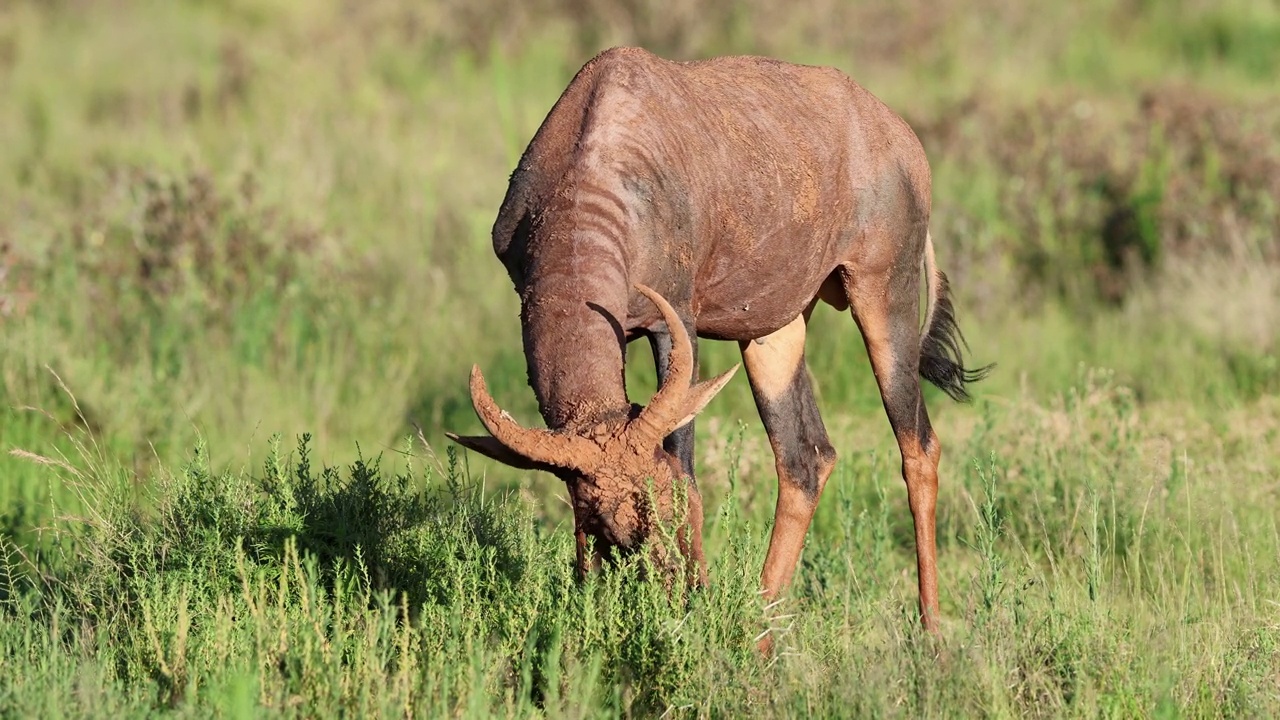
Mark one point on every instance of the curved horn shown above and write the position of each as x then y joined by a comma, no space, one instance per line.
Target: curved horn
536,444
665,411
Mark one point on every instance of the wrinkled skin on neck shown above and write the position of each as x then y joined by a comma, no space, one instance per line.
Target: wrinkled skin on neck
626,489
635,488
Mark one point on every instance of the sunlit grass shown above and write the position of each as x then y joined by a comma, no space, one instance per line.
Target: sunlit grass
1107,525
1097,559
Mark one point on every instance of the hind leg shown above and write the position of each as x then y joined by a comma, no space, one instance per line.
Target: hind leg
801,449
886,308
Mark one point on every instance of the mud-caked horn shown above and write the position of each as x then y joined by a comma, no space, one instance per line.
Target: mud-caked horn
535,444
678,400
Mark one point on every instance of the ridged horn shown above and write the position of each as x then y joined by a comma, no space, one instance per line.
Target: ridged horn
536,444
667,408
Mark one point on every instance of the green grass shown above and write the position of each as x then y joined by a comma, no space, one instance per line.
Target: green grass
226,223
1092,565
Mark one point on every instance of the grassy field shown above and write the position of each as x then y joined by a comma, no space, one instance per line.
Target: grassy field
245,267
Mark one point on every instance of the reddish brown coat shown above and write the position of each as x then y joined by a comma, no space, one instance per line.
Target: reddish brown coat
741,190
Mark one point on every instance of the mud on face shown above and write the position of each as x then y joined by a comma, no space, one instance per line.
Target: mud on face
628,492
623,510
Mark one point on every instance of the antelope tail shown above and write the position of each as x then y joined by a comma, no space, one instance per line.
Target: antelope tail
942,343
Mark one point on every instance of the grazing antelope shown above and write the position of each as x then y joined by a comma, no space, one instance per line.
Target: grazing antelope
719,199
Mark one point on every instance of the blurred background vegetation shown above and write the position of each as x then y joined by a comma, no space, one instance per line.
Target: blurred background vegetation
231,218
225,219
236,218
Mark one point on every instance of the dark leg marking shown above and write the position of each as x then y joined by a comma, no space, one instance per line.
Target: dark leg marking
802,446
802,451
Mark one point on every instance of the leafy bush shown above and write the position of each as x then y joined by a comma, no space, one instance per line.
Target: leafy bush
311,579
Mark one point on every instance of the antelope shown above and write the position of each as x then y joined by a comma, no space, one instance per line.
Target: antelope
718,199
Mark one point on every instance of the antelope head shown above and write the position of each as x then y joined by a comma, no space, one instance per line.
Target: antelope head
623,485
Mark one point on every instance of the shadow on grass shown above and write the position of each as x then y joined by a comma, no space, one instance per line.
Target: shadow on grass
422,534
414,536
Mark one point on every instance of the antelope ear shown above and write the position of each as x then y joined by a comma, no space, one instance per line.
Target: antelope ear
491,448
701,394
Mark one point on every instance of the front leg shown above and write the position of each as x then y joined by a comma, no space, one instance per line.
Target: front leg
802,451
589,559
680,444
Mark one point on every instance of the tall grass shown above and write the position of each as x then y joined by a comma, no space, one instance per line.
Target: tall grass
225,222
1091,565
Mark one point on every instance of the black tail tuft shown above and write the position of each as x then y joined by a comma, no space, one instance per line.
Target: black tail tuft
941,359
